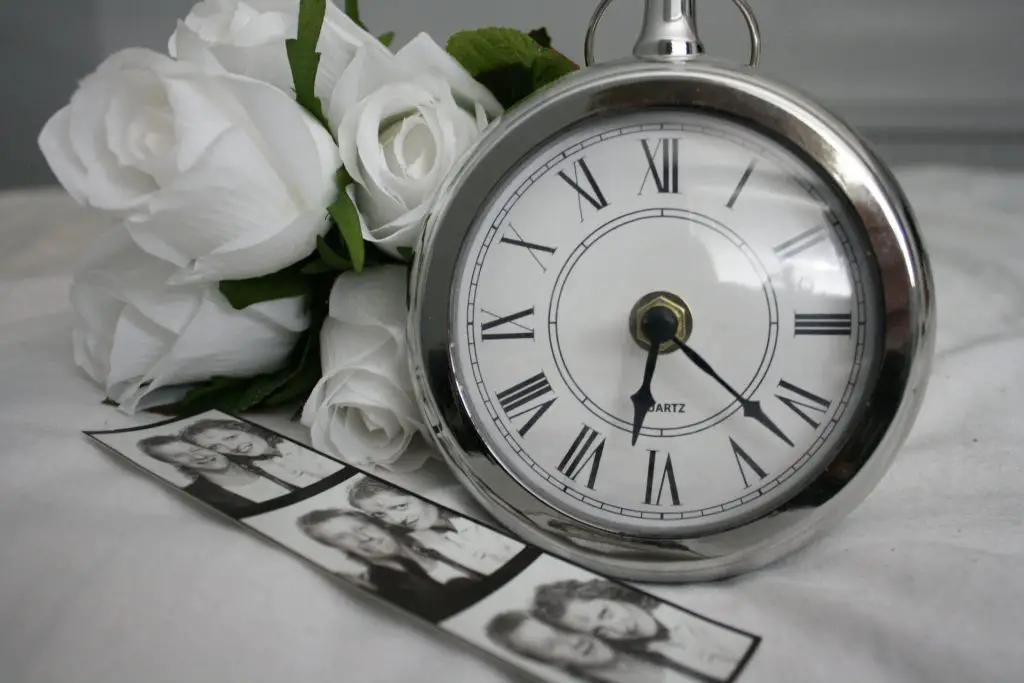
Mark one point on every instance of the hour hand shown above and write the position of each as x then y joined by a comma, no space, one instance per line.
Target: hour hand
643,400
657,326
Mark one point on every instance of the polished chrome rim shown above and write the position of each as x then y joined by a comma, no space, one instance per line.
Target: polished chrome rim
841,158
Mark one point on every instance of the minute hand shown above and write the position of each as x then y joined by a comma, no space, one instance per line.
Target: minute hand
750,408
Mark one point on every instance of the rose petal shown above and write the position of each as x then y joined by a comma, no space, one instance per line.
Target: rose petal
296,145
208,347
267,63
201,115
369,70
189,223
186,45
387,103
137,335
363,408
355,346
108,184
375,297
55,143
138,344
423,54
118,272
251,257
340,40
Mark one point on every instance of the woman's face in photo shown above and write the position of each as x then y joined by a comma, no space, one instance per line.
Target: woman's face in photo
185,454
610,619
550,645
361,538
398,509
233,442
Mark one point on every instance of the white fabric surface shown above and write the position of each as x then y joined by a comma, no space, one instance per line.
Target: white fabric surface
106,576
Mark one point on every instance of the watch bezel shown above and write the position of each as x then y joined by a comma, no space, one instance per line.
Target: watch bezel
823,142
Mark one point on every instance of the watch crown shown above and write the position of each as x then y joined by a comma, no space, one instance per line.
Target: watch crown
669,31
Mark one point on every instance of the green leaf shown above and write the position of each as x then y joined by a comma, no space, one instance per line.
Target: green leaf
345,216
329,256
281,285
541,36
511,64
352,10
387,38
549,67
318,267
343,178
302,380
303,57
220,393
305,360
375,256
509,84
486,49
258,392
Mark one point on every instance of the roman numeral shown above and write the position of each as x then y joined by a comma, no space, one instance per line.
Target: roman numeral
800,243
532,248
823,324
666,179
660,475
582,453
745,462
532,398
800,401
507,327
742,184
592,193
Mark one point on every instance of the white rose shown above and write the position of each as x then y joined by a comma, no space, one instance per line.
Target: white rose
404,121
363,410
224,176
247,37
142,339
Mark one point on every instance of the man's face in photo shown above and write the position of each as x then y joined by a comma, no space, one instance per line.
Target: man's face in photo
611,619
194,457
361,538
398,509
548,644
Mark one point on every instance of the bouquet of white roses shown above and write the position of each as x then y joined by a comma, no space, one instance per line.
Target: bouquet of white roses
269,178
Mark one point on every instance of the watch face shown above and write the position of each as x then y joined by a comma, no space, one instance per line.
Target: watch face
664,323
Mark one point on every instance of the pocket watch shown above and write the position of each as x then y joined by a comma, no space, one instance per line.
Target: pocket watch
670,319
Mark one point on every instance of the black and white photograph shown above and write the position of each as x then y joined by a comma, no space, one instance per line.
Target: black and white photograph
565,623
409,551
230,464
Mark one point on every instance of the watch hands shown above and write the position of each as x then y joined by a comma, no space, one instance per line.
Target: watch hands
750,408
643,400
658,326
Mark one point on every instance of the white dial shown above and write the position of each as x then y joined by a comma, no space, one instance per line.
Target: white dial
751,262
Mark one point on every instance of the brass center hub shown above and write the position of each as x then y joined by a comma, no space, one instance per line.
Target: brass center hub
669,308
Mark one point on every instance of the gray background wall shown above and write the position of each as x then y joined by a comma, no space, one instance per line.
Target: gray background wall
928,80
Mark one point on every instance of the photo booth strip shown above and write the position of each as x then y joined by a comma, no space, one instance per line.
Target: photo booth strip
545,616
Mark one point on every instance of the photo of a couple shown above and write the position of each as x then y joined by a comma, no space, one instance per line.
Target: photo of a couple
402,547
596,630
538,612
230,464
